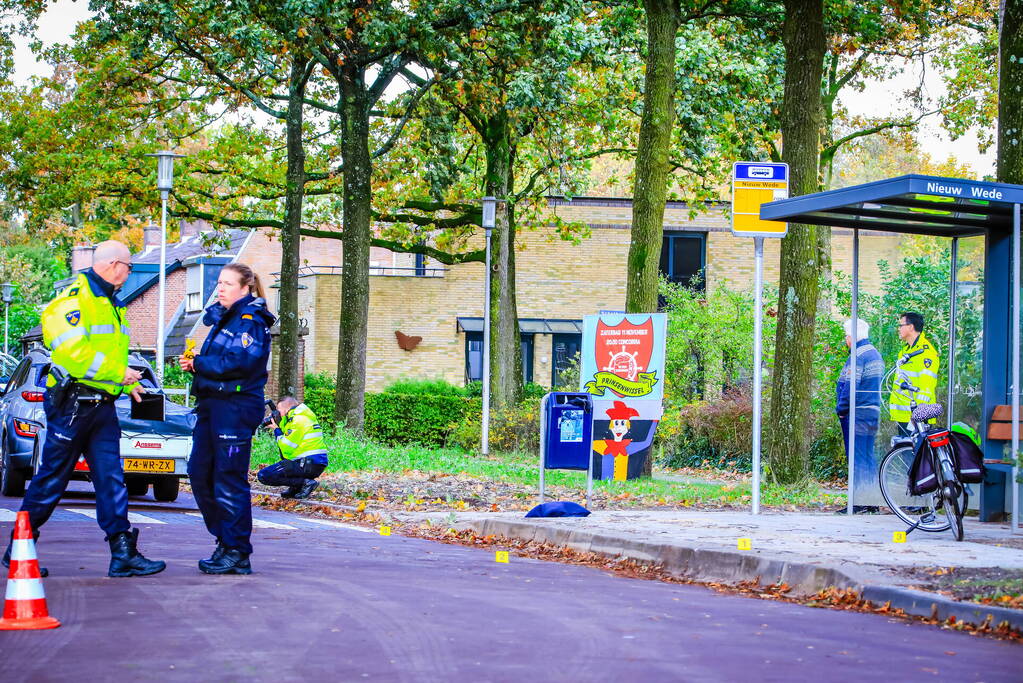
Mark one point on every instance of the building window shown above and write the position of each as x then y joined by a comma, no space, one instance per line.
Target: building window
565,350
193,288
474,357
683,257
420,265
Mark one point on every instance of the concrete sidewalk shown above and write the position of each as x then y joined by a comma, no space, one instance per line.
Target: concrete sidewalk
808,551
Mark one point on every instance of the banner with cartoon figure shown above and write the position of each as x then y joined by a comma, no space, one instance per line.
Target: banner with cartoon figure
623,369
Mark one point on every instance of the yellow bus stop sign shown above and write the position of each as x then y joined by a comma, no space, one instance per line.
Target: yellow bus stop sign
755,183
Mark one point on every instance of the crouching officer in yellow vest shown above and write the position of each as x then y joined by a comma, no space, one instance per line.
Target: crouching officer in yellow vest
917,364
87,333
303,453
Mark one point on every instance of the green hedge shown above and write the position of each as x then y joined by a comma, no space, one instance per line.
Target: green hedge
393,418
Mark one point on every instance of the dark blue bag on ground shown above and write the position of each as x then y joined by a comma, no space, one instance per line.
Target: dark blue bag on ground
558,508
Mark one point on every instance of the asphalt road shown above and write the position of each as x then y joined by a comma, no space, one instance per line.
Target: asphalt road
333,602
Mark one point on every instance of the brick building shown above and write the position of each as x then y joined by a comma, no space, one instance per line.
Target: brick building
557,283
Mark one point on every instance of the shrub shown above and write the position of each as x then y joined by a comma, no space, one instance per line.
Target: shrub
320,400
532,390
719,434
425,419
320,380
711,433
511,429
434,387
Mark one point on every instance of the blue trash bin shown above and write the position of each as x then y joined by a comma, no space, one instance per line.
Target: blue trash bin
568,430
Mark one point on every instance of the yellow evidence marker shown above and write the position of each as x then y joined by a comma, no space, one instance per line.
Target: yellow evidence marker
385,531
189,348
745,544
501,556
898,537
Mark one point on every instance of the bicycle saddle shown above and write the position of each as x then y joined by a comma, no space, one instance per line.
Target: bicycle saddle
928,411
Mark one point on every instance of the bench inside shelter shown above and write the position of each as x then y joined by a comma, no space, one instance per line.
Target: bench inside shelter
998,472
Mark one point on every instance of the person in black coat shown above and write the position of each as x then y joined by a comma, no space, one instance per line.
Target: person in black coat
230,373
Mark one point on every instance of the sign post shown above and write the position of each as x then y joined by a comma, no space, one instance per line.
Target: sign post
753,184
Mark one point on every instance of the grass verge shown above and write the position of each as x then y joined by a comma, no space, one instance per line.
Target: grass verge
425,478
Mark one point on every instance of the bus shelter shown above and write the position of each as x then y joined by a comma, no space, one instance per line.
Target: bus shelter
953,208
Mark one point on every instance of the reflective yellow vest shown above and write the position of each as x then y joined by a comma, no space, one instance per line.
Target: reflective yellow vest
922,372
88,337
301,435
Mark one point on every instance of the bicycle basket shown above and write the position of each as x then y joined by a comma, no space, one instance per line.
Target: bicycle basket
928,411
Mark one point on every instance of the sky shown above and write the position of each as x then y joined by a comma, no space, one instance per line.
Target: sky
879,98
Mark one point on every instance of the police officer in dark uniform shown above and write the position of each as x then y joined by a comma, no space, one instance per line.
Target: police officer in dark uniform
230,373
86,330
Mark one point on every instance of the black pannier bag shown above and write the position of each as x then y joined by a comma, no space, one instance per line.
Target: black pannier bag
922,479
969,459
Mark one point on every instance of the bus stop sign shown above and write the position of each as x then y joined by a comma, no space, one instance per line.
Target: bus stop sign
755,183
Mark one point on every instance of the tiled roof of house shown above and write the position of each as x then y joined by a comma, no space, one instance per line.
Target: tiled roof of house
175,344
194,245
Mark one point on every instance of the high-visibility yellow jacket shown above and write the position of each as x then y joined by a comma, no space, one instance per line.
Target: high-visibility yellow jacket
921,371
87,334
299,435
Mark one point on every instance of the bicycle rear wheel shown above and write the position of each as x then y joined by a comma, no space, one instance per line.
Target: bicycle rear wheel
954,501
918,511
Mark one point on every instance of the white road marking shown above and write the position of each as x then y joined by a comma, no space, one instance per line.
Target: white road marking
339,525
263,524
8,515
136,518
258,523
133,517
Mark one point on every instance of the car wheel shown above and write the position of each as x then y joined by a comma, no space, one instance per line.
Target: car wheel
165,489
12,480
137,486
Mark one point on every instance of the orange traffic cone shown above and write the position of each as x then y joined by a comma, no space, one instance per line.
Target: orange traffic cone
25,607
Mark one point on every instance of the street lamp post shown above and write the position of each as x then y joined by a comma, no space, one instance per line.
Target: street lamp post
489,213
164,183
7,293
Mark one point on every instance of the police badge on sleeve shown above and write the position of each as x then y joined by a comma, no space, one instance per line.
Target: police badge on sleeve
73,317
246,340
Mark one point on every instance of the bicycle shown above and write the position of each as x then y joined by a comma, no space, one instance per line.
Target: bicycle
950,497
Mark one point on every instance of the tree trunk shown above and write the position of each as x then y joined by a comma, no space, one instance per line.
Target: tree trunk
1010,92
651,188
804,39
287,348
505,342
349,397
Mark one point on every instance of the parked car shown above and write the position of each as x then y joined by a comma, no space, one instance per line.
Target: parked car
153,452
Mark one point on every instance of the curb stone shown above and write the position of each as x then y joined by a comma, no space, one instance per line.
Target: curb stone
722,566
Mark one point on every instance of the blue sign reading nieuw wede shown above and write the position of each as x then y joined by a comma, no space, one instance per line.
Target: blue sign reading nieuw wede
749,170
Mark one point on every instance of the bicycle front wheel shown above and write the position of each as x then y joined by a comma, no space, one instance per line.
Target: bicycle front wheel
918,511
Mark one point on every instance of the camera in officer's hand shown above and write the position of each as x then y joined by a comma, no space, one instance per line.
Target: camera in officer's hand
274,418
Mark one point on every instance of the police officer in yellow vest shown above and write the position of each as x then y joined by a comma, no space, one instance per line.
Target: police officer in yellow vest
303,453
87,333
917,364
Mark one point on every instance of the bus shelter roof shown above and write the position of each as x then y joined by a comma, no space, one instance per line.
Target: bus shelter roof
914,204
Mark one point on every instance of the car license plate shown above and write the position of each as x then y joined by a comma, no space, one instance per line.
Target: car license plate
149,465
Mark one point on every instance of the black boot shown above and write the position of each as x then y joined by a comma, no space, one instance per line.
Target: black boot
291,492
231,561
307,488
217,553
43,571
126,560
